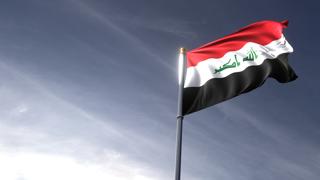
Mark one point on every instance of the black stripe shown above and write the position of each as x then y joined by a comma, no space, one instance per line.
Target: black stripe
217,90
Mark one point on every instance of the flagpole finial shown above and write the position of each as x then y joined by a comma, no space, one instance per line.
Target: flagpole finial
182,50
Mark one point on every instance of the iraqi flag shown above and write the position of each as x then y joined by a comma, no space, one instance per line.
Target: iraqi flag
236,64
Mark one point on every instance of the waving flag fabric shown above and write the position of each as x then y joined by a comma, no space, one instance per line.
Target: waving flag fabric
236,64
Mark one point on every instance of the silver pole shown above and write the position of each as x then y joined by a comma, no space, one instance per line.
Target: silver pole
182,71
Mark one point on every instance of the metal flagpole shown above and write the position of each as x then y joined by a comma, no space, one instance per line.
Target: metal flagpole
182,70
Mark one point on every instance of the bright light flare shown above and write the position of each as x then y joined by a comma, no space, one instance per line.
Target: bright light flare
39,166
181,65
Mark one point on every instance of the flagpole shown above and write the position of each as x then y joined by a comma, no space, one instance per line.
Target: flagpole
182,70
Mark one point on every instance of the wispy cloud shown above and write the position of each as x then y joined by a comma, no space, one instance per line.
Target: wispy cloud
38,166
39,127
175,27
136,42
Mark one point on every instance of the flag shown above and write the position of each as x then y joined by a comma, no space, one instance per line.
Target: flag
236,64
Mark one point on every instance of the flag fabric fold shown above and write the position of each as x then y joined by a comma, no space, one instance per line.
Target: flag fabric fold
236,64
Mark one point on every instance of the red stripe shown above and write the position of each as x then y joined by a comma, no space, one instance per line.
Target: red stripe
262,32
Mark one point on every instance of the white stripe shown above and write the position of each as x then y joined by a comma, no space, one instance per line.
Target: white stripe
198,75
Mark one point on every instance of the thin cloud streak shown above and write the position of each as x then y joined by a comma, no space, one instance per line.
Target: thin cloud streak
52,96
175,27
117,29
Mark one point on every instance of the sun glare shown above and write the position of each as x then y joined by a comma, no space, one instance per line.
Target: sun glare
35,166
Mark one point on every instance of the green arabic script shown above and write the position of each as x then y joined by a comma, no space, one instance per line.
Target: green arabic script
235,63
252,55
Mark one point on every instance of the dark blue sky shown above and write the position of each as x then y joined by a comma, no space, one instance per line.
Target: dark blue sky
88,90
